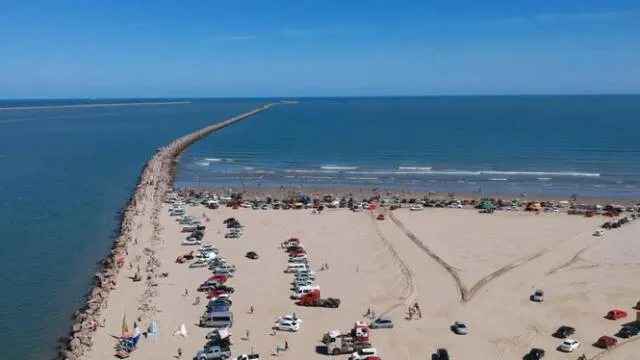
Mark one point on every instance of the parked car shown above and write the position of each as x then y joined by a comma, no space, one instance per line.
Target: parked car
214,353
252,255
605,342
628,331
290,318
284,325
382,323
537,296
569,345
363,354
442,354
564,332
616,314
535,354
460,328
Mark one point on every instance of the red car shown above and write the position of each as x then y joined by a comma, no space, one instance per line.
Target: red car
218,278
298,252
214,293
616,314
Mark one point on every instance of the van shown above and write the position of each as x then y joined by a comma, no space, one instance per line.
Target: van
294,267
217,319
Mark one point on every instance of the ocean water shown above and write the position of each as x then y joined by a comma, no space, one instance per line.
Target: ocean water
65,175
553,145
67,172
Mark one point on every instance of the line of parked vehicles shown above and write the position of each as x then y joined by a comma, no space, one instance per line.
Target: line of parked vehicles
304,289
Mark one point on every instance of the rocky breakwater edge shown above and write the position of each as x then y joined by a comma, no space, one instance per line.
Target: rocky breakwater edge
142,209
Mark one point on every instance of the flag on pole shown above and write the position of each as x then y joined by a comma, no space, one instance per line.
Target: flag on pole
125,328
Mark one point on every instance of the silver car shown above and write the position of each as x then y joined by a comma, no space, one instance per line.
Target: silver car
382,323
537,296
460,328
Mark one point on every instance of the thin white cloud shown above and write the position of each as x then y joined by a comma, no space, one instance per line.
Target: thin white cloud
318,31
581,16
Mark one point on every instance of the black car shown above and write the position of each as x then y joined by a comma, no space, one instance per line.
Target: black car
535,354
225,288
252,255
627,332
564,332
442,354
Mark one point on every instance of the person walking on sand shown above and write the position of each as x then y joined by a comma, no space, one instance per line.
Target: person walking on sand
251,309
179,353
247,335
186,292
286,345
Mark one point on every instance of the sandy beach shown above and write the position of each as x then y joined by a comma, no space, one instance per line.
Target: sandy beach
376,264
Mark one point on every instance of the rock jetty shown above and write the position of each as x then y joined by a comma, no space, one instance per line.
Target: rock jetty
155,179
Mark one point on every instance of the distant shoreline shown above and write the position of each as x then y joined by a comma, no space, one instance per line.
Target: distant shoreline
93,105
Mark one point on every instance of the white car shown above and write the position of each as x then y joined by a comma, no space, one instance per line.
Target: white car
286,326
598,232
191,241
306,286
363,354
298,257
569,345
290,318
358,208
416,207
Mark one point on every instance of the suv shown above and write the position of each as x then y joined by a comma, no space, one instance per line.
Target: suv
628,331
441,354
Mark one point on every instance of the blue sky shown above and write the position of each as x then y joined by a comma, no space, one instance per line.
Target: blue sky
242,48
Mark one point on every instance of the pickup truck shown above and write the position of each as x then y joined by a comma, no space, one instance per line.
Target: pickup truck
248,357
214,353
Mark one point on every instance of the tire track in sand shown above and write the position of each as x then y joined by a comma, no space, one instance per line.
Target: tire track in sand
576,257
409,291
465,293
462,289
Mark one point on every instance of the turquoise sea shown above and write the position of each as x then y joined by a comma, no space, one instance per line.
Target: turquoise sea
67,172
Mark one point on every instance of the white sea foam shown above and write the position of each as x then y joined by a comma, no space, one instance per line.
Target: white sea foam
217,160
414,168
495,175
338,168
310,171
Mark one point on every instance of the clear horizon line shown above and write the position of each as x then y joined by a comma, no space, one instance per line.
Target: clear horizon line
316,96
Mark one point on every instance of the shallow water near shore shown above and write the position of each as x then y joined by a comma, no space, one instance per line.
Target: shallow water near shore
67,172
545,145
